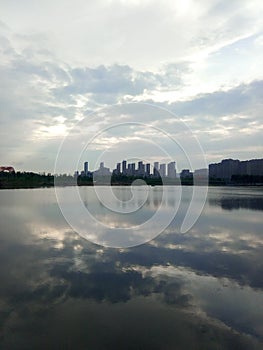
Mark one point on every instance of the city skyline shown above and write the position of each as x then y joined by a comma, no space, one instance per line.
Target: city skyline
130,169
224,169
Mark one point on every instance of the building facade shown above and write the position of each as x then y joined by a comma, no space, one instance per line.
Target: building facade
229,167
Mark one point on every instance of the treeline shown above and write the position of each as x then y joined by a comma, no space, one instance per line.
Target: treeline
34,180
25,180
124,180
247,179
242,180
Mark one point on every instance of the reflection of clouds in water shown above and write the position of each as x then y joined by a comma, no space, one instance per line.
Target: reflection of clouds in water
178,286
48,232
115,227
219,298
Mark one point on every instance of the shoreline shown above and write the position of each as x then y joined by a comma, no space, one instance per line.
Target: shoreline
32,180
129,185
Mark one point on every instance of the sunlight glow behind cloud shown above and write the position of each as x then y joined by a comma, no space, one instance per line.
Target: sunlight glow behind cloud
200,60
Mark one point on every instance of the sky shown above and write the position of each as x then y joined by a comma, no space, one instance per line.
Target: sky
80,71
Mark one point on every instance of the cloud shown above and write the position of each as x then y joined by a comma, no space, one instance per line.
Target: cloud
237,100
114,83
140,34
197,60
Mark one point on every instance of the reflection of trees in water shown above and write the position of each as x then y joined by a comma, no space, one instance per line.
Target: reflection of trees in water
230,203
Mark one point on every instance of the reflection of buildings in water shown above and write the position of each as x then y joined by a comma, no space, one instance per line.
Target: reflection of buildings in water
230,203
161,197
154,198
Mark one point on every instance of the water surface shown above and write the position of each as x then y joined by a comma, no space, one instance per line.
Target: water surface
199,290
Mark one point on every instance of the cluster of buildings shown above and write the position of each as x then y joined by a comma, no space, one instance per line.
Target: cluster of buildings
130,169
229,167
223,170
217,171
142,170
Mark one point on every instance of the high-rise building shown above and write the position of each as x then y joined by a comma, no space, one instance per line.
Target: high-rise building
129,170
86,168
254,167
225,169
133,172
141,169
156,169
229,167
171,172
148,169
162,170
118,168
124,167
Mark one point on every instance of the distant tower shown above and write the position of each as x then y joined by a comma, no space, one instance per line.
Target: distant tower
162,170
156,169
171,170
124,167
133,172
148,169
86,168
141,168
118,168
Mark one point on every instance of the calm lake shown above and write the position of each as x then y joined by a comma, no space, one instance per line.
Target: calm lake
202,289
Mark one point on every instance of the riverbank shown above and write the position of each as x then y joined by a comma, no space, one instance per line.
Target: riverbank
32,180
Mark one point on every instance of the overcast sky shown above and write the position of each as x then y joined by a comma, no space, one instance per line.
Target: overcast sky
61,61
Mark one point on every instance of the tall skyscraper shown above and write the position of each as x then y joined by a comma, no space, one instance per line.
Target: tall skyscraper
118,168
148,169
162,170
129,170
156,169
124,167
171,172
86,168
133,169
141,169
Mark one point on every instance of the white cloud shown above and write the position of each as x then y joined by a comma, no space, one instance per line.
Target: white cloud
141,34
60,61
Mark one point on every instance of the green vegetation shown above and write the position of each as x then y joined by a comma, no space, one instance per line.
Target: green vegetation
33,180
247,179
216,182
124,180
25,180
238,180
